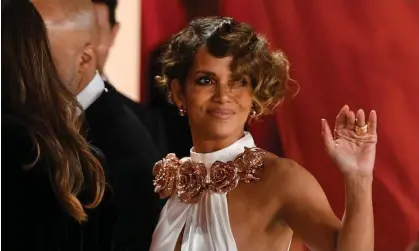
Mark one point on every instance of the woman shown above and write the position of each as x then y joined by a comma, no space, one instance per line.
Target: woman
47,164
230,195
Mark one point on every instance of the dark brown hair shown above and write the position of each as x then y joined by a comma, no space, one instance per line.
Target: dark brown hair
33,93
223,36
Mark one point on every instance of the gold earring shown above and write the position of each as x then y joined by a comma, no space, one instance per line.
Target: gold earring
182,112
252,113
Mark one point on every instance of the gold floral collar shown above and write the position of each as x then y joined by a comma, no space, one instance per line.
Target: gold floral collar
188,178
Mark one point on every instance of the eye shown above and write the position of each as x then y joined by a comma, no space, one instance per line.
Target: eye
241,82
204,80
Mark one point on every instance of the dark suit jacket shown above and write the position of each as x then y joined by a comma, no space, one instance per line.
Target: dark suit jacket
150,117
32,216
131,154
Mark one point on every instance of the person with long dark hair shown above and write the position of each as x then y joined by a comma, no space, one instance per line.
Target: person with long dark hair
51,176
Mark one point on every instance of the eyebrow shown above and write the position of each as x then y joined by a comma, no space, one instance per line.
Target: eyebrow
210,73
214,75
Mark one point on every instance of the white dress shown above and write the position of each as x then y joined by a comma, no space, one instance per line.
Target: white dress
206,224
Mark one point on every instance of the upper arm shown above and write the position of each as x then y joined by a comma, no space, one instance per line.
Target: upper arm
307,210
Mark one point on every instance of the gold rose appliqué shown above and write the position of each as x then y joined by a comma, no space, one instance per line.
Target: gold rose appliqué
189,178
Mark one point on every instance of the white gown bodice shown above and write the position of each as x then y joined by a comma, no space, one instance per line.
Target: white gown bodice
206,224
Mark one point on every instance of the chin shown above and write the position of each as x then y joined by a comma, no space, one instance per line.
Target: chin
220,132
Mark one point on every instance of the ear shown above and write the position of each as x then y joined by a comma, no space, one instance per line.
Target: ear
177,93
114,32
88,58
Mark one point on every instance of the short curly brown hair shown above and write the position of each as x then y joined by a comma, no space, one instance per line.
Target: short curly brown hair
224,36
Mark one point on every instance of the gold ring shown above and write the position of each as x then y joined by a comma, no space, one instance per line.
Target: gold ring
361,130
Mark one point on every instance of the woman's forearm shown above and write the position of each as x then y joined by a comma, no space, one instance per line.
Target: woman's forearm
357,231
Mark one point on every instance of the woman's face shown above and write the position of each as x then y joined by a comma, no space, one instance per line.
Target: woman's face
217,103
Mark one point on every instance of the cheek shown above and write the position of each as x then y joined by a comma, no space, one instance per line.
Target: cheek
105,39
196,97
196,106
66,63
244,99
65,70
102,52
68,72
102,48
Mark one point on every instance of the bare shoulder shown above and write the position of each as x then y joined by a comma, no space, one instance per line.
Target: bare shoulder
286,175
283,168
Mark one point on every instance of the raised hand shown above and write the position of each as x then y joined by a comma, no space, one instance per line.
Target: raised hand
353,144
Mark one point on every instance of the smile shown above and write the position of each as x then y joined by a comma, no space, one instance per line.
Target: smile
221,113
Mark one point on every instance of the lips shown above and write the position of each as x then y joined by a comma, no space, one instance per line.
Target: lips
221,113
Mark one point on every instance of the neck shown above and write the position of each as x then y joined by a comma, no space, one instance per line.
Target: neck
85,80
209,145
103,75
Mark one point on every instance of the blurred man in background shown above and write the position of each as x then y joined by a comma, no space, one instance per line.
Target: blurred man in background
108,30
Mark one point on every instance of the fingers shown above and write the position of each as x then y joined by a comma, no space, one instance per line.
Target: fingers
372,123
360,118
327,136
350,120
341,118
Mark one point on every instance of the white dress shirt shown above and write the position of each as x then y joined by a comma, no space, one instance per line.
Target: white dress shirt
91,92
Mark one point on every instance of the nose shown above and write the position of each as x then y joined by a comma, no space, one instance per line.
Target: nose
222,93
